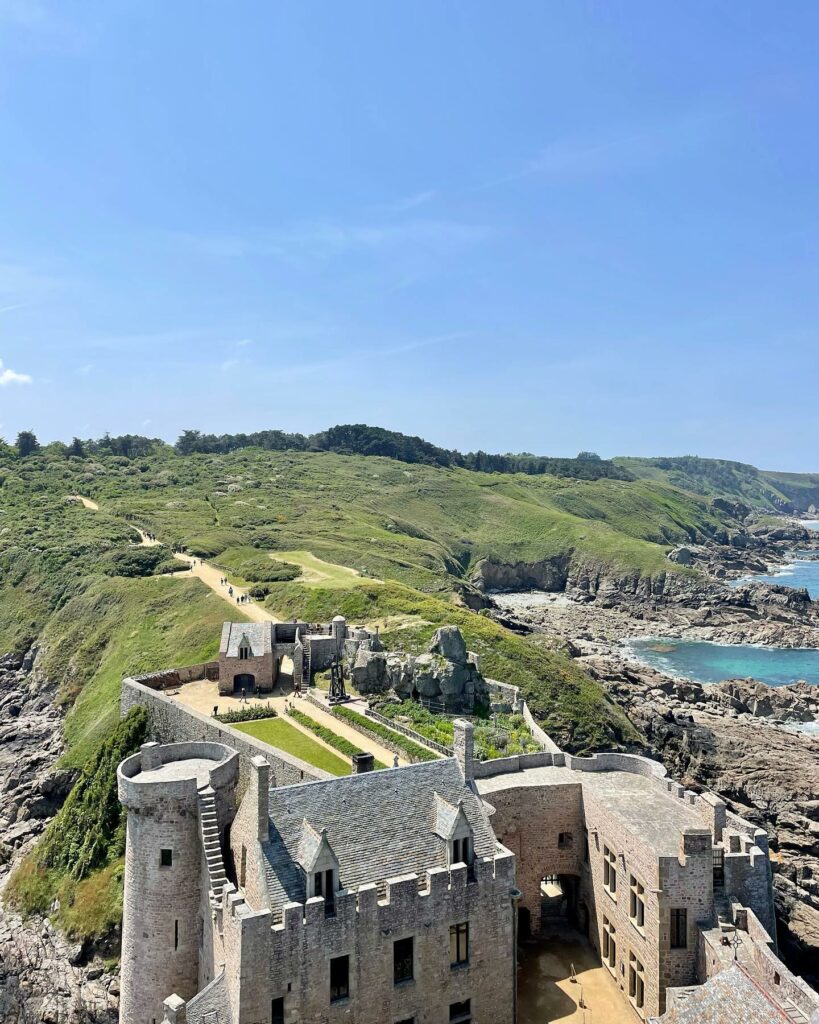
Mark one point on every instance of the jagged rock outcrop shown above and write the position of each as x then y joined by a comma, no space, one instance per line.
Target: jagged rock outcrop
43,975
446,673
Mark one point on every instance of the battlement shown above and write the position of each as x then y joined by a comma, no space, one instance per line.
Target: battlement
175,772
410,894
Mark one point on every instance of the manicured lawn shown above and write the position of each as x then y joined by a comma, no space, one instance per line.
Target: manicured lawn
285,737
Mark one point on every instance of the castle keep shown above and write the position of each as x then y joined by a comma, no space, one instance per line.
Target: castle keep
259,893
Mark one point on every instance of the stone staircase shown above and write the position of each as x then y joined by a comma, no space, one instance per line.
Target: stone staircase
305,664
209,827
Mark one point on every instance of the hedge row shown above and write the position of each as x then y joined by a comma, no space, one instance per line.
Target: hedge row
340,744
252,713
414,751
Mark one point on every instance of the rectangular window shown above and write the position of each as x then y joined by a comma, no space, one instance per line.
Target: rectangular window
679,928
609,945
165,858
339,978
609,871
460,1013
176,935
402,960
586,848
329,893
459,944
277,1011
406,1020
460,851
636,903
636,982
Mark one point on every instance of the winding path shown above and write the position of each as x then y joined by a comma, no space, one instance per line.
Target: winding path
204,571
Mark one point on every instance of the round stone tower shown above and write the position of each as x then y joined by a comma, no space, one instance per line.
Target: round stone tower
167,790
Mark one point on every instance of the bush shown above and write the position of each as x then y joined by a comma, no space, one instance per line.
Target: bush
340,744
140,561
414,751
267,570
252,713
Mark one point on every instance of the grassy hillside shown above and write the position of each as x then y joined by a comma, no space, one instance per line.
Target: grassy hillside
717,478
376,539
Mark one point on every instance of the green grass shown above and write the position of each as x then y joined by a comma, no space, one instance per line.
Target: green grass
120,627
338,742
284,736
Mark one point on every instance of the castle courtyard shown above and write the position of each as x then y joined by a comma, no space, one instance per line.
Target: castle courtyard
546,991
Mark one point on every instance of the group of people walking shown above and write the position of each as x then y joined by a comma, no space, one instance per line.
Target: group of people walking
240,598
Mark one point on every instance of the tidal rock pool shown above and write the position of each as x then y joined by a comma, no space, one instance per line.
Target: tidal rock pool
711,663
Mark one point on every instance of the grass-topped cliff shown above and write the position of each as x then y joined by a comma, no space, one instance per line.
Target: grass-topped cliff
718,478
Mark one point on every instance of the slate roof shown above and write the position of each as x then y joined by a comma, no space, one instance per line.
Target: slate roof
719,1000
211,1005
379,825
259,635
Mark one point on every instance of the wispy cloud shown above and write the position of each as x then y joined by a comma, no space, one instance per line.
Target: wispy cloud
412,202
244,342
631,148
83,371
228,364
8,376
290,371
327,239
10,309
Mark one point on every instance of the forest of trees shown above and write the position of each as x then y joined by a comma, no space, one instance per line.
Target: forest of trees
347,439
361,439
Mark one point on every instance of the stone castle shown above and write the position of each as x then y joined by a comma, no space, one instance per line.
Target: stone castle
260,891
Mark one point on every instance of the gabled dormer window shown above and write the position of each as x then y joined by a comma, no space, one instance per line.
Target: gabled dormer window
324,884
244,649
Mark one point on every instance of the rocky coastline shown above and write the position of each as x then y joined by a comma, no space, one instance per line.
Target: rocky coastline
739,738
44,975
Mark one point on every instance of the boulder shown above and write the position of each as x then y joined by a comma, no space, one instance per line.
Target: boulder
369,672
448,642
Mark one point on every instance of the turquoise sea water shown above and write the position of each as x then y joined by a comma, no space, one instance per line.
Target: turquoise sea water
802,572
711,663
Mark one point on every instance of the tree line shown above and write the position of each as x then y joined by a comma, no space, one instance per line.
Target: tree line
346,439
361,439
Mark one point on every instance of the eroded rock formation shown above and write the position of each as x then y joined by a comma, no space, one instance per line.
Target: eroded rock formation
446,674
44,976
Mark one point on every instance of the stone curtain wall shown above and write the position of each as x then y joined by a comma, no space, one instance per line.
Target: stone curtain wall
172,722
542,737
776,975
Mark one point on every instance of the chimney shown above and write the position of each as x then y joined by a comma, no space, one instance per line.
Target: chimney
464,747
363,762
260,780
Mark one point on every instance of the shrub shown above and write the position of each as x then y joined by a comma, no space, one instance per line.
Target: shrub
252,713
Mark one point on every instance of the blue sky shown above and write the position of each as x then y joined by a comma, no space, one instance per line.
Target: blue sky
543,226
